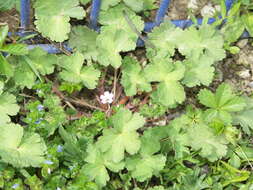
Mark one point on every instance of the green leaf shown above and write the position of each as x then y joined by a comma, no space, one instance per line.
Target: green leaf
164,48
211,147
233,30
133,77
108,50
221,104
56,27
146,164
123,137
198,72
109,3
21,149
7,5
233,175
75,72
193,181
223,9
234,10
177,139
5,67
143,167
248,22
15,49
169,90
29,62
157,188
191,42
203,41
84,2
149,4
29,67
23,74
8,107
148,146
116,35
72,147
140,5
1,87
245,117
53,16
84,40
3,33
97,164
182,133
42,61
54,117
135,5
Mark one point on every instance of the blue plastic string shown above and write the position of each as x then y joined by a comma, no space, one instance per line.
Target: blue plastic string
24,14
229,4
95,8
162,11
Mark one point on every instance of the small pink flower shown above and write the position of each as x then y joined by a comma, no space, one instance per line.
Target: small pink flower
106,98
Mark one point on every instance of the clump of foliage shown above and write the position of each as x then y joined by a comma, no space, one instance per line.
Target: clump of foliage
106,116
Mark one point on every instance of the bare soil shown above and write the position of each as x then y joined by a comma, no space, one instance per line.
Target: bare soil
10,17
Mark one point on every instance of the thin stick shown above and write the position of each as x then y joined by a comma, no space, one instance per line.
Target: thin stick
61,96
59,46
115,82
118,95
75,101
102,81
246,157
70,105
133,27
83,103
27,96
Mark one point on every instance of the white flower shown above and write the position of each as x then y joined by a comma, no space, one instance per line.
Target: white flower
58,188
49,171
106,98
208,10
193,4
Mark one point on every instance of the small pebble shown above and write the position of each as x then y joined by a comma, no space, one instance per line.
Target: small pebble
250,84
242,43
208,10
244,74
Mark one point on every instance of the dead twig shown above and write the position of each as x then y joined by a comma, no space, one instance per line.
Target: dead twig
82,102
102,81
115,82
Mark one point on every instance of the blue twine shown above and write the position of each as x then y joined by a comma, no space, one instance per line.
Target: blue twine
95,8
162,11
24,14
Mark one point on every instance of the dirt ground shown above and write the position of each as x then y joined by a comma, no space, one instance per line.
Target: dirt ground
10,17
